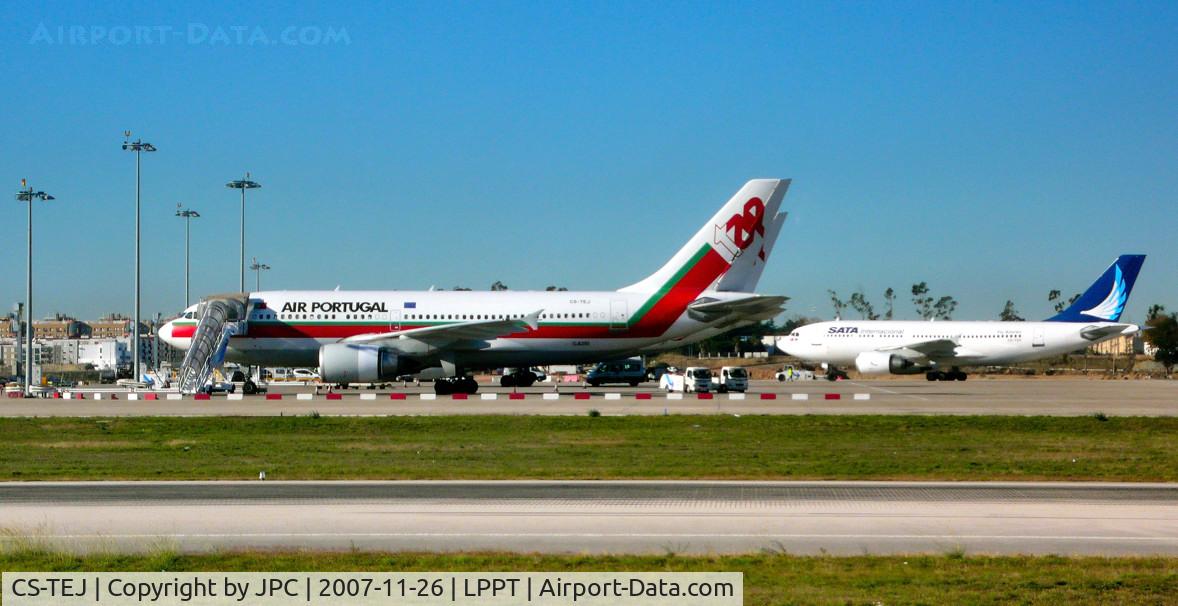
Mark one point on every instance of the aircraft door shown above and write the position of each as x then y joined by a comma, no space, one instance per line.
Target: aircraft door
395,320
1037,337
618,313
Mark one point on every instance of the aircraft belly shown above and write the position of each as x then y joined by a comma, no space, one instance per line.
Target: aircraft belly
499,352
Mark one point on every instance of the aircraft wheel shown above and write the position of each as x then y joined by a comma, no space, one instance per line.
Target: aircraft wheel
467,385
249,388
525,379
934,375
507,381
443,387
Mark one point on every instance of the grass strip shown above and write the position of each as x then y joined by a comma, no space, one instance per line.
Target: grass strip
528,447
769,578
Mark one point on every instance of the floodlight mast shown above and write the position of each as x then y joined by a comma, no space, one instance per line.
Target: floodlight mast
138,146
243,184
28,194
258,269
188,215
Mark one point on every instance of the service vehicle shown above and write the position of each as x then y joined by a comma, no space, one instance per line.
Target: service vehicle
631,371
694,379
733,378
790,373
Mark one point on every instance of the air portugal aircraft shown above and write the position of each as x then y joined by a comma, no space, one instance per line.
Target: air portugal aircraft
941,349
371,336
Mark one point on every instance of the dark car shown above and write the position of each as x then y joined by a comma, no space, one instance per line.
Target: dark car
630,371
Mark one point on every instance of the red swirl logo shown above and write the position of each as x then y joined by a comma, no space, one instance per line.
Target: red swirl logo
743,227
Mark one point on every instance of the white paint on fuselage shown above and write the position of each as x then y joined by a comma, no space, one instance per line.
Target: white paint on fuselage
988,343
601,316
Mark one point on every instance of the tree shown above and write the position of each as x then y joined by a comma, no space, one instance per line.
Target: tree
497,286
796,322
1155,310
838,304
943,308
460,288
1009,313
860,304
1163,335
1060,304
555,288
922,300
889,299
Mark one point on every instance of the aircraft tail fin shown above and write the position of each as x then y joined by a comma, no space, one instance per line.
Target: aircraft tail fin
729,252
1105,300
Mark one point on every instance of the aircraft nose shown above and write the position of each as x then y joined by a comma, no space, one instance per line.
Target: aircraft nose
166,334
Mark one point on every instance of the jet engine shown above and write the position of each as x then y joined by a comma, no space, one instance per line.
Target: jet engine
878,363
354,363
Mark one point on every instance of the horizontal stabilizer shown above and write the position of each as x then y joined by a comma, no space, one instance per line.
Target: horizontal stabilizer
755,306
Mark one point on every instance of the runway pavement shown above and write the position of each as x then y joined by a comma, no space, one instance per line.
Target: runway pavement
599,517
1059,397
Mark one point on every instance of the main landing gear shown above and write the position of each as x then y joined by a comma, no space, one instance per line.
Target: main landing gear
445,387
954,374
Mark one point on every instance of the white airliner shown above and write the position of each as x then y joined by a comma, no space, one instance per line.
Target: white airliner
370,336
941,348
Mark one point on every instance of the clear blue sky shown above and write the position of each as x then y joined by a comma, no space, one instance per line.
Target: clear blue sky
994,150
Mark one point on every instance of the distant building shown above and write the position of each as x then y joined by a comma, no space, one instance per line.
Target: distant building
111,327
105,354
60,327
1125,345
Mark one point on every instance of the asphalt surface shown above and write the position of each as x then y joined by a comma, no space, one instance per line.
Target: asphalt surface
599,517
978,396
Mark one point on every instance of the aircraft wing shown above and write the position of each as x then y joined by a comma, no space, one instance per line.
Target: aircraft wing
751,308
933,349
449,334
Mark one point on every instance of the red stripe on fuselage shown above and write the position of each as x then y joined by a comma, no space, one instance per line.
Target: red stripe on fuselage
653,323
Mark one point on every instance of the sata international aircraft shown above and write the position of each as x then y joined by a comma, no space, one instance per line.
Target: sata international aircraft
371,336
902,347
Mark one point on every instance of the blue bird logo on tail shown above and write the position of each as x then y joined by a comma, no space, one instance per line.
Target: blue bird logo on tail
1111,307
1105,300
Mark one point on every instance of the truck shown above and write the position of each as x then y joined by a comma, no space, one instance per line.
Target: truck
693,379
733,378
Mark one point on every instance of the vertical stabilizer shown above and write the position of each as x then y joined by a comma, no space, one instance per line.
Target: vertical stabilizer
729,252
1105,300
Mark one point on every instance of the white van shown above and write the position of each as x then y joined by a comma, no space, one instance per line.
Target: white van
733,378
695,378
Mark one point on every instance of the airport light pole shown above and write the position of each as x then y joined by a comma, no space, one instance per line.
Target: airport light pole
28,194
138,146
258,269
188,215
243,184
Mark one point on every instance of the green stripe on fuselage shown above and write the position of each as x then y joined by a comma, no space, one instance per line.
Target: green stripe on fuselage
670,283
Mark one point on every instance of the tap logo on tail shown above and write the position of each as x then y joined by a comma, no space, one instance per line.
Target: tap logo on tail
742,229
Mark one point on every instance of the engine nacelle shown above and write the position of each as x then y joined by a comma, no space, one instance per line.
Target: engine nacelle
348,363
879,363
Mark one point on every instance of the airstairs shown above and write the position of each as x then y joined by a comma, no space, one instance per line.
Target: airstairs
219,318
